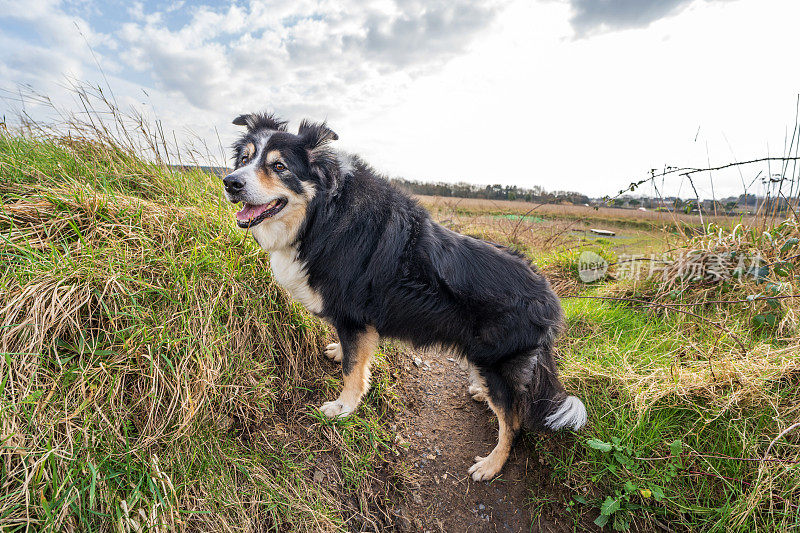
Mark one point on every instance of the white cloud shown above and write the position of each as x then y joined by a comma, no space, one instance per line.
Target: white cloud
48,47
302,55
477,91
603,15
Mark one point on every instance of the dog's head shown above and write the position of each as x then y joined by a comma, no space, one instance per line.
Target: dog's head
277,174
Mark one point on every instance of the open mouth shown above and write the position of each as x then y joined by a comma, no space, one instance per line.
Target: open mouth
252,215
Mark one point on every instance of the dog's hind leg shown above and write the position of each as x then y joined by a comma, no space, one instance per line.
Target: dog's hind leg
477,385
500,401
357,348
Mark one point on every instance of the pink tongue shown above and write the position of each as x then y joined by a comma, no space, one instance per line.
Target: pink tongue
250,212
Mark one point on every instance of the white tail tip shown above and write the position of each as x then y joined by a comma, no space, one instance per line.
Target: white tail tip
571,413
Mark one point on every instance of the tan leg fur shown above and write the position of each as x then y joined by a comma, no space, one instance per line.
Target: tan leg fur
356,382
489,466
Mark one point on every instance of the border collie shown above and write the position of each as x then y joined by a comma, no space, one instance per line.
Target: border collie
364,256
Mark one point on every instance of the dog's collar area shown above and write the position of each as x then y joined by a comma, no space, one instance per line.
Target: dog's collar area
251,215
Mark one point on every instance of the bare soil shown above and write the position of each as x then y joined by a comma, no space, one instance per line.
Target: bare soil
445,429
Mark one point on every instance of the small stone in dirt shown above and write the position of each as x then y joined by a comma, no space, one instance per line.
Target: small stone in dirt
451,360
416,497
444,476
431,457
481,507
417,362
418,433
319,476
437,450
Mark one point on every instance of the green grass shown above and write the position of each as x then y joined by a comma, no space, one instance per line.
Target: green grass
636,371
152,373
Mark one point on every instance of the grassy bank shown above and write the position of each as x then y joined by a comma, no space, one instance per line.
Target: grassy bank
152,373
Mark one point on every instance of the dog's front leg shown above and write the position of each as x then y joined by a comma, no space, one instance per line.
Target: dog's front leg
357,348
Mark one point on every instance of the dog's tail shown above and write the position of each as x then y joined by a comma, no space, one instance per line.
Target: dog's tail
543,403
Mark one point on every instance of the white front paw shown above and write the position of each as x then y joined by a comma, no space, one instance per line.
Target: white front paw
485,468
334,351
336,408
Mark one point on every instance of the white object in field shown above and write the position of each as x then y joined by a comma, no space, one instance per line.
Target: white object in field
603,232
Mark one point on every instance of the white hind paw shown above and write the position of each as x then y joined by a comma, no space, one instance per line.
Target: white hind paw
486,468
333,351
478,393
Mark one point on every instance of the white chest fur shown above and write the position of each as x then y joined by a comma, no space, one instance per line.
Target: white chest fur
290,273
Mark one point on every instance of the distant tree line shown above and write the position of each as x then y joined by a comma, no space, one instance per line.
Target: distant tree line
730,205
490,192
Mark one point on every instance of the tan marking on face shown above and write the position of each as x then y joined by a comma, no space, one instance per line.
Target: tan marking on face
272,156
267,176
294,213
281,230
270,182
249,149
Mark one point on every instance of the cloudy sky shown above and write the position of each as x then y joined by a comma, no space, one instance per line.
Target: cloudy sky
581,95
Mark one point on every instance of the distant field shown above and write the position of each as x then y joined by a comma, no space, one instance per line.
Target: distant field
572,212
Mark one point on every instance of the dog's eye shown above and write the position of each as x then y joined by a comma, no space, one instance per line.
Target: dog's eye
279,167
245,159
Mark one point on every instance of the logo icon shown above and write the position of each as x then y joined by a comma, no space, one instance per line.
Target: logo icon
591,267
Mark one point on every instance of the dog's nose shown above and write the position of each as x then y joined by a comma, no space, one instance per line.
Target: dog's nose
233,184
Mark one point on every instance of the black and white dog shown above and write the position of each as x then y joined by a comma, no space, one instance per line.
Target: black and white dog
366,257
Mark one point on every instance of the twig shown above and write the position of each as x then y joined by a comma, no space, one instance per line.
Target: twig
522,218
688,171
781,434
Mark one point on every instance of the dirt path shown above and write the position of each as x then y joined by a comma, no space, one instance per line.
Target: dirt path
446,429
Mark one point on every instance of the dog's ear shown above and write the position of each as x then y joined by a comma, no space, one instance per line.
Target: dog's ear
315,135
257,121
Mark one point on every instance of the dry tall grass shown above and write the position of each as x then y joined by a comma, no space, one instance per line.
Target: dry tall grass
153,376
